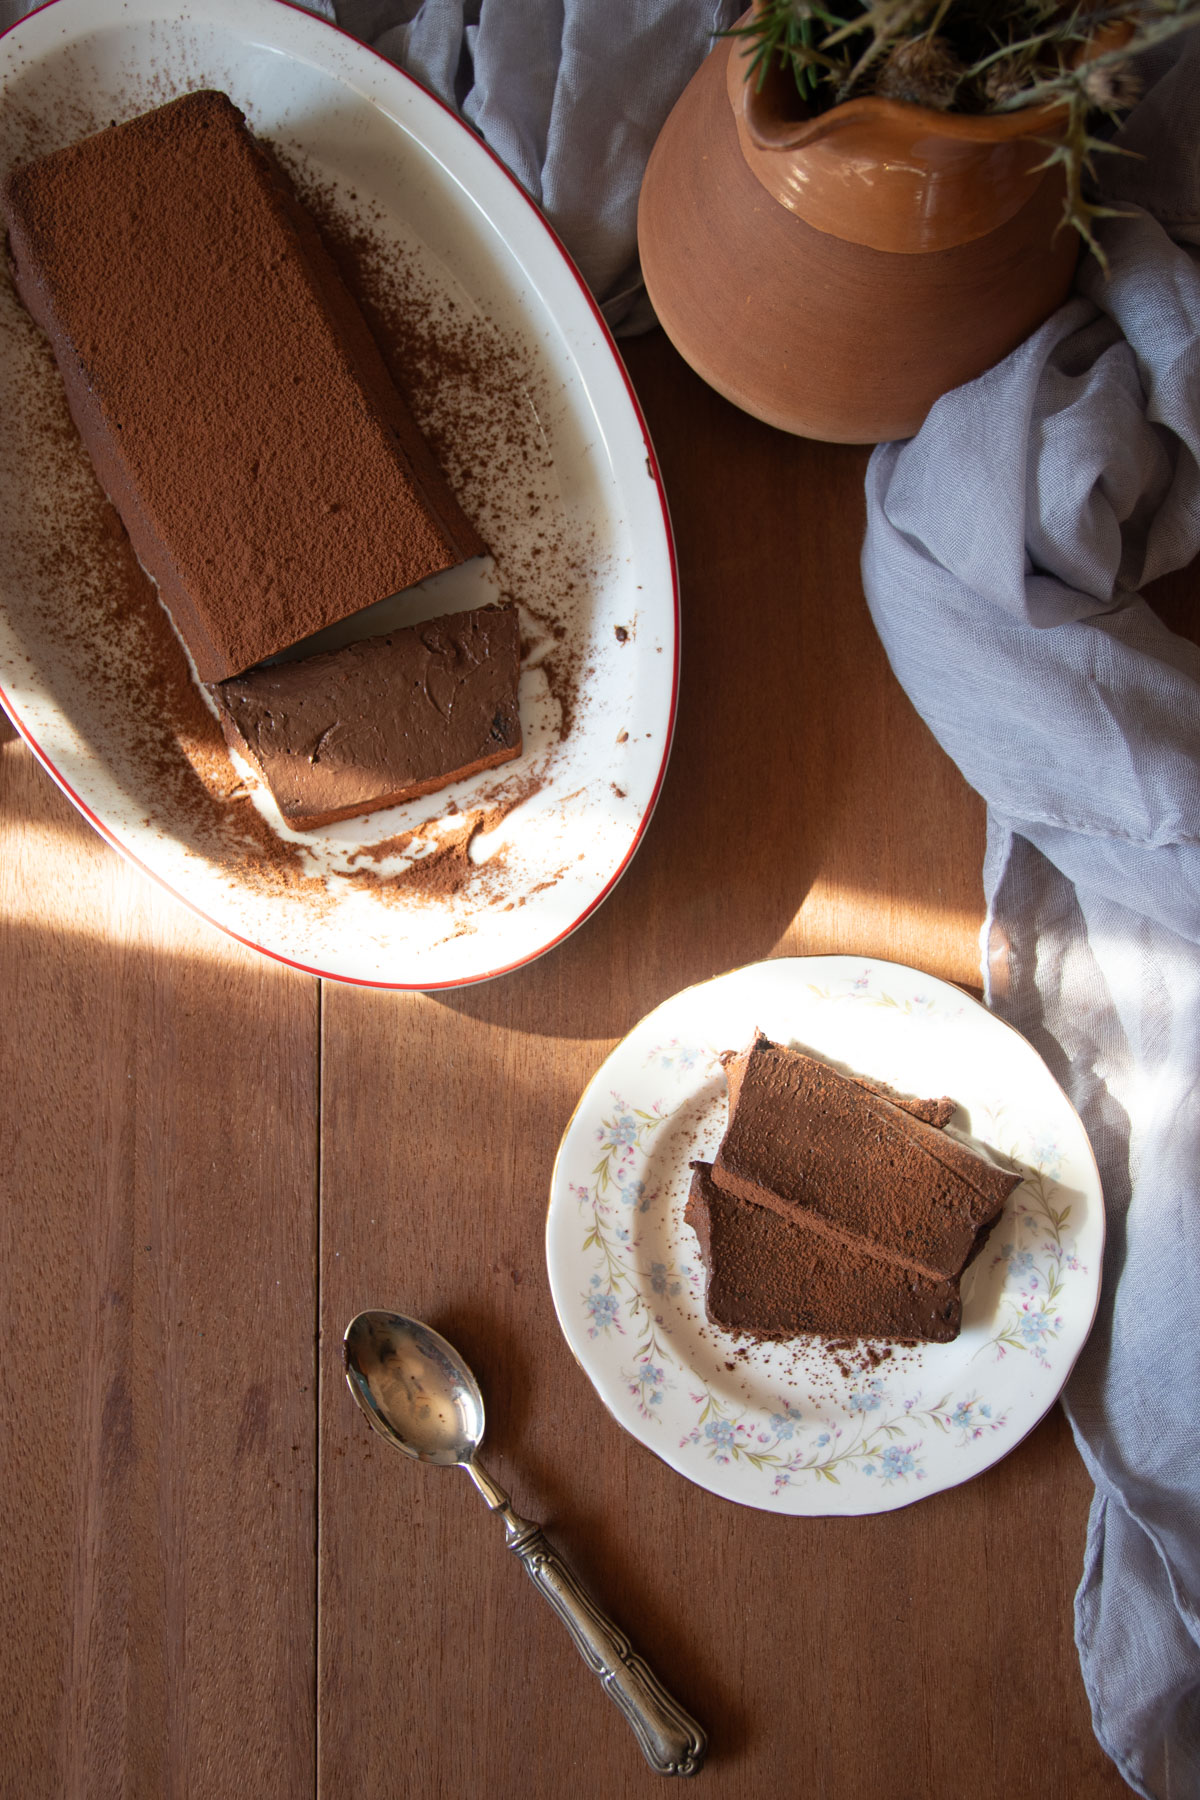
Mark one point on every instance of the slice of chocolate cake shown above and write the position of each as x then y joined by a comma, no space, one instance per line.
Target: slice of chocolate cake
770,1278
234,403
390,718
815,1146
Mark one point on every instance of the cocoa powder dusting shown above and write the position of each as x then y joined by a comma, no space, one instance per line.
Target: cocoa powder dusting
437,856
258,370
477,397
438,873
111,638
819,1375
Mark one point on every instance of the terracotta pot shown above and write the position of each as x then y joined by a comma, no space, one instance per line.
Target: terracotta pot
835,274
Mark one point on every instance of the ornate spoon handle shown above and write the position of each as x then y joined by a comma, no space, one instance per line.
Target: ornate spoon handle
670,1739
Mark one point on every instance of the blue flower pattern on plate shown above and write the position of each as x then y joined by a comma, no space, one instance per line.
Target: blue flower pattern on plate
874,1435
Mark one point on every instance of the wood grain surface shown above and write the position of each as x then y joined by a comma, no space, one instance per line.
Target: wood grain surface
158,1155
216,1581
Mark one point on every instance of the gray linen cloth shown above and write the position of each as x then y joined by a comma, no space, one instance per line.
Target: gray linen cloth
570,94
1005,547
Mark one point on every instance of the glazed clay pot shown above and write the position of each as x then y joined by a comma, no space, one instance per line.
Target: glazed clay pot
835,274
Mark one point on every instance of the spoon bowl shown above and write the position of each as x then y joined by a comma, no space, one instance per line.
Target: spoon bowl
414,1387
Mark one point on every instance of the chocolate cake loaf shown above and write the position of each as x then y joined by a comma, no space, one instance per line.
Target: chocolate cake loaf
350,731
815,1146
236,407
771,1278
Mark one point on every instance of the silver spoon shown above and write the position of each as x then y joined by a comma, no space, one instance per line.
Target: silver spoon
419,1394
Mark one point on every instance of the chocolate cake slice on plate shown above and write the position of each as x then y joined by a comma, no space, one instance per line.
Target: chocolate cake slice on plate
818,1148
769,1277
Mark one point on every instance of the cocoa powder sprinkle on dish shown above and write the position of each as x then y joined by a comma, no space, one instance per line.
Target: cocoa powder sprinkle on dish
476,395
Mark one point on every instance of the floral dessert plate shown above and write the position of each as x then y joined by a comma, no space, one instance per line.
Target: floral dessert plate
514,376
804,1427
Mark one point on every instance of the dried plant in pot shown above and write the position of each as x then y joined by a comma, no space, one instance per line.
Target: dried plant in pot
855,207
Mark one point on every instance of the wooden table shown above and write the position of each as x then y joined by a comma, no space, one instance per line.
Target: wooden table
215,1581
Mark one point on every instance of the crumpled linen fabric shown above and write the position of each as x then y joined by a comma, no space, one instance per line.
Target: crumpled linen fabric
570,94
1006,545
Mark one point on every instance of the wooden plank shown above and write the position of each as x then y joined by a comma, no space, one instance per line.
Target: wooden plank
157,1305
925,1653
